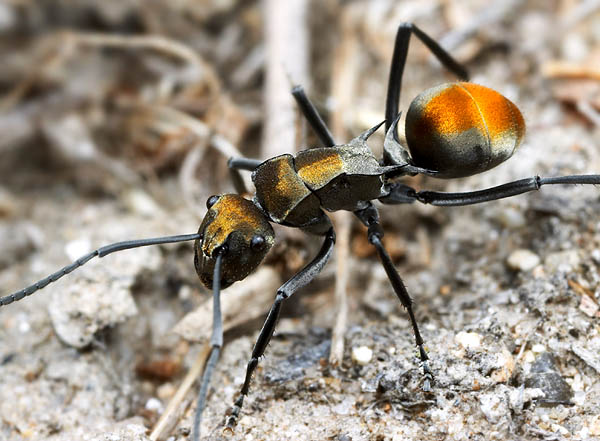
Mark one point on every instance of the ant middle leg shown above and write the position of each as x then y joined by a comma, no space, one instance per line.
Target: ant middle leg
369,216
302,278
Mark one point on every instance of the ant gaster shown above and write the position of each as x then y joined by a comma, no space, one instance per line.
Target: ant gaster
453,130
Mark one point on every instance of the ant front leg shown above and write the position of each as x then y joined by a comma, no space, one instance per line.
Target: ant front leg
216,343
370,217
305,276
237,164
313,117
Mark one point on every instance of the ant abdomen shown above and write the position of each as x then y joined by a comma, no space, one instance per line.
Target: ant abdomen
461,129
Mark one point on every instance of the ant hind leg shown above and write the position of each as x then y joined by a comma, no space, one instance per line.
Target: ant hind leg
401,193
369,216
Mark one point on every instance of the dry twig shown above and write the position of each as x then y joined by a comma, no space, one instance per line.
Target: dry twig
343,86
241,303
173,411
286,40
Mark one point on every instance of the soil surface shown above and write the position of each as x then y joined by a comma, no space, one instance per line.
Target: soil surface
113,118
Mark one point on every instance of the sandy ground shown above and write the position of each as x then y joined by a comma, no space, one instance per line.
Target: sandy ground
506,292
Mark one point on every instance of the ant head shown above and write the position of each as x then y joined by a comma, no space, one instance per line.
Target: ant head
240,229
461,129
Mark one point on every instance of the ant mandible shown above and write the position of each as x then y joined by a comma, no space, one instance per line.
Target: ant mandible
452,130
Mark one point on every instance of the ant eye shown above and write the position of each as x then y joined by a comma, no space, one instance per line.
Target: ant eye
257,243
211,201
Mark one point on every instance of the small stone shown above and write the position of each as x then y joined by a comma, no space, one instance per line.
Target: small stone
468,340
538,348
141,203
494,406
518,397
77,248
166,391
91,302
546,377
505,366
24,327
362,355
18,240
579,398
523,260
588,306
563,261
529,357
558,428
154,404
511,217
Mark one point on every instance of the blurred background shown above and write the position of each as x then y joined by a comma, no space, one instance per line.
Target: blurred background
116,122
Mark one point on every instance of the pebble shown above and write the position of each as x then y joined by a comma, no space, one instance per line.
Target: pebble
154,404
362,355
468,340
523,260
538,348
511,217
166,391
505,365
141,203
545,376
494,406
77,248
563,261
529,357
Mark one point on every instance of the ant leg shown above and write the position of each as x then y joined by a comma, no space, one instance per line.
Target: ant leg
237,164
393,151
100,252
243,163
401,191
312,116
299,280
216,342
369,216
405,30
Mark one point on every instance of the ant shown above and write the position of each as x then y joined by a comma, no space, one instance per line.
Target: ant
452,130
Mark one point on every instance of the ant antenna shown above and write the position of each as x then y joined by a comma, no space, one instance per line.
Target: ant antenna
100,252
